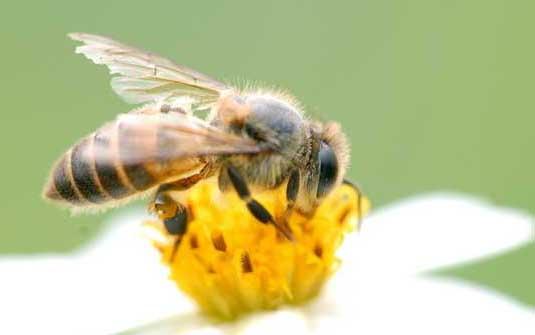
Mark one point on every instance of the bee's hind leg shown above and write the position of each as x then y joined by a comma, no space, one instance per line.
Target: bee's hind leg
256,208
174,215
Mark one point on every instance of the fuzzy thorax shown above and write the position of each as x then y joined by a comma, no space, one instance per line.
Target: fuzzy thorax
230,264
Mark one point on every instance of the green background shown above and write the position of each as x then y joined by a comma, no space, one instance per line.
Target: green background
435,95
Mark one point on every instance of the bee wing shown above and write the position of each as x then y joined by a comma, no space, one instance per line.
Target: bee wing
160,138
142,76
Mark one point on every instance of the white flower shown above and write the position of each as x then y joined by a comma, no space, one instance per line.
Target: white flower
117,282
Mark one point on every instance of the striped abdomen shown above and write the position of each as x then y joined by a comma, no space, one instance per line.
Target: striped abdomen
104,167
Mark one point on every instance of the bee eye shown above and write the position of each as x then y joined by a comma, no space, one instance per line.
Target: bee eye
328,169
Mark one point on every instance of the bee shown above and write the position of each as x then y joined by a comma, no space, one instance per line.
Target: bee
249,139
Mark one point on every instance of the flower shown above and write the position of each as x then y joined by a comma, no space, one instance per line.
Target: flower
231,264
116,282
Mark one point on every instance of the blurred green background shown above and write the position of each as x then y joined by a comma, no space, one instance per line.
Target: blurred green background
435,95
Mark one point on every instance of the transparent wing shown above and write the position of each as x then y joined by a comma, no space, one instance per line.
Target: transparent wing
159,138
142,76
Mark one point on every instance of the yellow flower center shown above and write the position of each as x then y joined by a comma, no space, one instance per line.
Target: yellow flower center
230,263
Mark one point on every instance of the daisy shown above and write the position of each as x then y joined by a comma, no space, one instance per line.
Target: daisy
117,283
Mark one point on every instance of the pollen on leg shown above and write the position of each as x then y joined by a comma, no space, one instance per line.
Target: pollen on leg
231,264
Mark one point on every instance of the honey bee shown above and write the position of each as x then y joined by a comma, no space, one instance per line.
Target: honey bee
249,139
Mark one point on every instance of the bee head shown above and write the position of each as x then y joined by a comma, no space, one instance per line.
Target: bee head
333,157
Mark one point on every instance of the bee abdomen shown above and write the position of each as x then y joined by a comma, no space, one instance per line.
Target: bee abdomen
61,185
92,173
136,172
74,178
83,172
108,167
116,162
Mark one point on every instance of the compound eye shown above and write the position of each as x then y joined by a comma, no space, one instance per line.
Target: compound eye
328,169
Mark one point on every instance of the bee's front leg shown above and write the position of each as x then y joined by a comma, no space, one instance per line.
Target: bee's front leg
292,190
256,208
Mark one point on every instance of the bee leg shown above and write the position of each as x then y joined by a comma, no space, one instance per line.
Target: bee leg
256,209
359,199
292,190
173,215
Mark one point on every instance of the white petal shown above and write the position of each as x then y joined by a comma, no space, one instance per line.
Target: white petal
404,305
411,305
428,232
114,284
284,321
117,283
